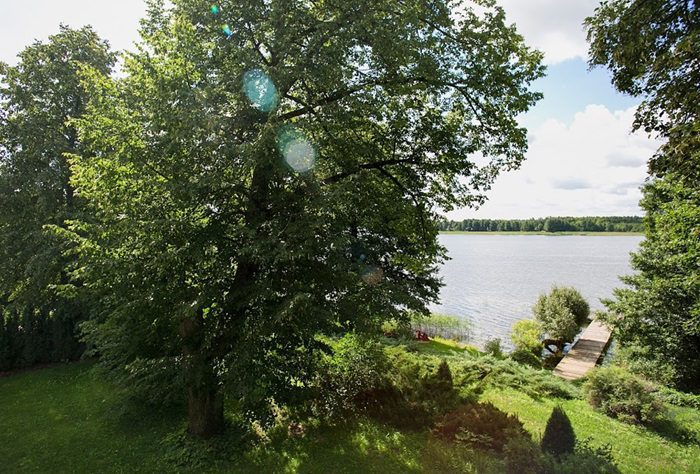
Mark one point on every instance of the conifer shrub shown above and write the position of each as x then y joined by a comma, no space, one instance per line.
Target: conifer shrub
479,425
559,437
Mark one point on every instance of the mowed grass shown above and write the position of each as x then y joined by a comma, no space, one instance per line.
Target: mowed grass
67,419
669,449
62,419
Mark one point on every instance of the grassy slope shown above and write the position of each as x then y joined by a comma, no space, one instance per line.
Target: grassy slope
636,449
63,419
553,234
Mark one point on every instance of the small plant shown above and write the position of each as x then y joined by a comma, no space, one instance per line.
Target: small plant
493,347
480,425
527,336
559,438
622,395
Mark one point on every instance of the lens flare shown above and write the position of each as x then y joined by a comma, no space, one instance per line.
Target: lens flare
215,9
260,90
227,31
296,149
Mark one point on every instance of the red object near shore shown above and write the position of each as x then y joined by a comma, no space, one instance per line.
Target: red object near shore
421,336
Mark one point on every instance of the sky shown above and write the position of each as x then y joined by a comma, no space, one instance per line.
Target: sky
582,159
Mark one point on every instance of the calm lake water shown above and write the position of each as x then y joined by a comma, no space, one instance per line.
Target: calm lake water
494,280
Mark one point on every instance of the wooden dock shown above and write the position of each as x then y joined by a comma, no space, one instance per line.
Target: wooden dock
585,353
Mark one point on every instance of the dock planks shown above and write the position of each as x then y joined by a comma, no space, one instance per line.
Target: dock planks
585,353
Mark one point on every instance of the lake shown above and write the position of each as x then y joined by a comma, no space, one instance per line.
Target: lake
494,280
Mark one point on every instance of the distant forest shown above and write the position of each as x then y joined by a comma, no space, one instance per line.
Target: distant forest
547,224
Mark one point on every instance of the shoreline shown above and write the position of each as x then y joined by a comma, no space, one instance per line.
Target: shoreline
551,234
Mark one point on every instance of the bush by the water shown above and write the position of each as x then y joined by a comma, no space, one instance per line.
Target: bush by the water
559,437
562,313
480,425
526,335
493,347
622,395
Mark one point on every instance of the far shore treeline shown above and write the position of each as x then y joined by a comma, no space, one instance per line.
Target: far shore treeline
547,224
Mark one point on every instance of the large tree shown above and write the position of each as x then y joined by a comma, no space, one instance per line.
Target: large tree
268,171
651,48
38,98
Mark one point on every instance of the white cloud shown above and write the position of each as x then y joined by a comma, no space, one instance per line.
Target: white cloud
569,170
552,26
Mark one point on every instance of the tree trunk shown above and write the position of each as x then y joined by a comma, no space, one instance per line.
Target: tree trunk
205,400
205,408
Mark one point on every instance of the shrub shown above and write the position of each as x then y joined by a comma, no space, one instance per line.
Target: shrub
585,459
527,358
561,313
622,395
523,456
480,425
493,347
351,375
527,336
559,438
645,362
398,330
680,399
487,371
418,388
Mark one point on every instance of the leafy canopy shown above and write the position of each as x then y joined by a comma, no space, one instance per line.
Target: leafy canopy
650,46
561,313
271,171
38,99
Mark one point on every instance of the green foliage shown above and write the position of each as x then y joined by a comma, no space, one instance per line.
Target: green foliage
526,358
203,241
680,399
484,372
480,425
28,338
621,395
39,98
548,224
659,313
526,336
644,361
523,456
440,325
350,376
493,347
653,56
559,438
419,388
561,313
586,459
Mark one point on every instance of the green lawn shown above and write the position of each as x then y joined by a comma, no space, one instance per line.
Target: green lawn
65,419
636,449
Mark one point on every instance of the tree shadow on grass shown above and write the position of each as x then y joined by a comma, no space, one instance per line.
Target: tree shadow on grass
669,429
